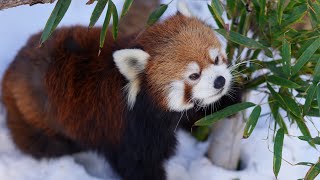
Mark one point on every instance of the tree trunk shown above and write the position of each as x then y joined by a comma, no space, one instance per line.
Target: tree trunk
4,4
136,19
225,142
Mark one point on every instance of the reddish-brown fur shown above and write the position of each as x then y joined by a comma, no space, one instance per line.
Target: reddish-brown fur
165,67
63,98
50,100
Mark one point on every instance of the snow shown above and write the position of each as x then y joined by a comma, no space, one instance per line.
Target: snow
189,163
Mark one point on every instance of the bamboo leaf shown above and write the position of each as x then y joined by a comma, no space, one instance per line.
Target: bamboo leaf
228,111
105,25
292,106
280,10
311,140
56,16
306,55
303,128
255,82
274,107
286,56
252,122
282,82
201,133
276,96
313,171
243,40
318,96
309,98
305,164
316,74
231,7
262,14
216,10
97,11
216,5
126,6
314,13
216,17
277,151
115,20
156,14
296,14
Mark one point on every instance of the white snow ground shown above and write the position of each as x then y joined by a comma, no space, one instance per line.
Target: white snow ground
17,24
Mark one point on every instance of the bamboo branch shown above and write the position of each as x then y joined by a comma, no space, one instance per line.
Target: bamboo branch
5,4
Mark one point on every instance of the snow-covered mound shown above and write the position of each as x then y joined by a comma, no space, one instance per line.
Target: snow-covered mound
190,163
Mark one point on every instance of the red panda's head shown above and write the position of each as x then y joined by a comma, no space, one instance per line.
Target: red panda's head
182,61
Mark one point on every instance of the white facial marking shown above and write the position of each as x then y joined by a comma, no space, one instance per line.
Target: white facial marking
204,91
176,101
193,67
213,53
131,62
183,8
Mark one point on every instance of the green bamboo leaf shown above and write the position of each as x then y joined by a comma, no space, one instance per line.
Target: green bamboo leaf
201,133
292,106
313,112
228,111
252,122
97,11
216,5
315,140
216,17
306,55
156,14
313,171
295,15
262,14
277,151
274,107
61,13
231,7
115,19
305,138
316,74
318,96
280,10
314,13
255,82
309,98
56,16
243,40
282,82
105,25
305,164
276,96
303,128
244,22
126,6
286,56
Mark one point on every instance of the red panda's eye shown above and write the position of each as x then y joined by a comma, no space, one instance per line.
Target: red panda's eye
216,61
194,76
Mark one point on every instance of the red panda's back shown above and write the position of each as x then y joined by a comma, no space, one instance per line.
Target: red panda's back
65,89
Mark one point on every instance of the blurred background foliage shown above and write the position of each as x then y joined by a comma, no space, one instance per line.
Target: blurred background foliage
274,48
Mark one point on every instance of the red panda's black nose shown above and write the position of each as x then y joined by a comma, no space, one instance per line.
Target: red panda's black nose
219,82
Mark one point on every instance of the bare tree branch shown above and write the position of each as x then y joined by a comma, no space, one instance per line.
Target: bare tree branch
5,4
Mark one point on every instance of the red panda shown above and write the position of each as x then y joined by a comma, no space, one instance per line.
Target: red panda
125,104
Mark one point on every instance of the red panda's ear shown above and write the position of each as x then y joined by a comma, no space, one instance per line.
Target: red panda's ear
183,8
131,62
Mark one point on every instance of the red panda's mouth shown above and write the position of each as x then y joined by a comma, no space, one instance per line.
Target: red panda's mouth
218,93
